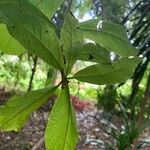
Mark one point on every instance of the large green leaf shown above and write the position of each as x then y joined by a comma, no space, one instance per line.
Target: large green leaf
32,29
8,44
112,28
109,35
71,39
90,24
94,52
61,133
116,72
48,7
16,111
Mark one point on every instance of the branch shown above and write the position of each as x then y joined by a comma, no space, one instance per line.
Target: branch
33,73
39,144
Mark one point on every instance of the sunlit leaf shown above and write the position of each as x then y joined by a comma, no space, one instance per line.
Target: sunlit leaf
114,29
109,35
8,44
94,53
32,29
90,24
71,39
116,72
111,28
48,7
61,133
14,114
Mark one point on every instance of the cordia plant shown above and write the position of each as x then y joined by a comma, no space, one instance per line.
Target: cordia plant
25,25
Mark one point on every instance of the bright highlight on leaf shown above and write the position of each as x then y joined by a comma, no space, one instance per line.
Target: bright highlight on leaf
118,71
15,113
111,28
61,133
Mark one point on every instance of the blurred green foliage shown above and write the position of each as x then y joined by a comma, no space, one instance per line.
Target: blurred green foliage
15,72
107,98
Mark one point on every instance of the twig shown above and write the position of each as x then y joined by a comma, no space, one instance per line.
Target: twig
43,119
33,73
39,144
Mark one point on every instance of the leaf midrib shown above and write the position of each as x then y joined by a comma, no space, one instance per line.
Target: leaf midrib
68,123
95,75
43,46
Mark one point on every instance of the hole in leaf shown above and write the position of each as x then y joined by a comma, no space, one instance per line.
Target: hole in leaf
91,57
13,27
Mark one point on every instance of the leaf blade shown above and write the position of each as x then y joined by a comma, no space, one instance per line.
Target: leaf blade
8,44
48,7
101,74
14,113
111,28
61,129
110,36
32,29
94,53
71,39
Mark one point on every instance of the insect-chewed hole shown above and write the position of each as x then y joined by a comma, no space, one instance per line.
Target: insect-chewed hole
91,57
13,27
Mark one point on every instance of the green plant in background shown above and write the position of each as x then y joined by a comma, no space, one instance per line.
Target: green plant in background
15,72
107,99
29,27
125,137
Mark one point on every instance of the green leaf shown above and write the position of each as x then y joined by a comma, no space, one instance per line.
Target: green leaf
114,29
116,72
90,24
110,36
16,111
48,7
111,28
32,29
61,132
71,39
8,44
94,53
